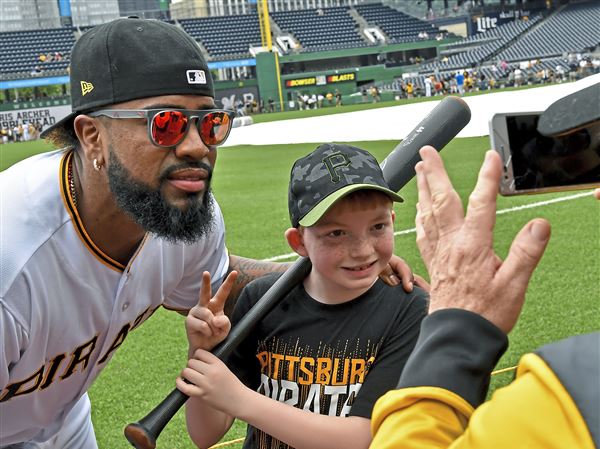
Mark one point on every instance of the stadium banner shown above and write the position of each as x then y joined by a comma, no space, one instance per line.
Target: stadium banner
227,98
482,23
46,116
320,80
249,62
32,82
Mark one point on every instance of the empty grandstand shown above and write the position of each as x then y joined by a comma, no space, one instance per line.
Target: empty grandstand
320,29
36,52
349,44
399,27
576,27
235,37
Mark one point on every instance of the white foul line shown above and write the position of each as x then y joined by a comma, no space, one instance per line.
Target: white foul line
499,212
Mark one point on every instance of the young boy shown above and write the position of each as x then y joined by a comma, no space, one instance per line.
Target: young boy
310,372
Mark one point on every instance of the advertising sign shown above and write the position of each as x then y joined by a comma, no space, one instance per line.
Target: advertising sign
321,80
46,116
227,98
482,23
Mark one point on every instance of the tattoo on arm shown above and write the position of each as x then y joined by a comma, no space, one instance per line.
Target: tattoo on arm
248,270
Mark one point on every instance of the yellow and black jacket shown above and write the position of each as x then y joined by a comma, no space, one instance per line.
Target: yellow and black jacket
554,402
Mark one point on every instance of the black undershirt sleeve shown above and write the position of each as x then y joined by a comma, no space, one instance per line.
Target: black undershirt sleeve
456,350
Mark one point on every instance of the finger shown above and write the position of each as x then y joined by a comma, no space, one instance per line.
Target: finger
424,243
446,206
403,270
525,253
198,326
201,359
184,387
426,227
221,324
217,303
424,195
524,256
597,194
192,377
421,282
205,290
388,276
481,210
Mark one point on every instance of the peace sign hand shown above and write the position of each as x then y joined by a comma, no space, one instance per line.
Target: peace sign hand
206,324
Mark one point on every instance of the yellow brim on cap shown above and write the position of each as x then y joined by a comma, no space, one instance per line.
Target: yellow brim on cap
315,214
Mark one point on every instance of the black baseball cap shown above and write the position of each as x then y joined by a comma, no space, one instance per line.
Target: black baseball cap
329,173
131,58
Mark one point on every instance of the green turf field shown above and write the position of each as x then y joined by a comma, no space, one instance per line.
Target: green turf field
250,184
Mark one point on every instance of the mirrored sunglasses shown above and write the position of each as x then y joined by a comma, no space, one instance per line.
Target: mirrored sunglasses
168,127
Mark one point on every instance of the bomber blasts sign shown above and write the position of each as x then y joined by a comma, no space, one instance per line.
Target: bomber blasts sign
321,80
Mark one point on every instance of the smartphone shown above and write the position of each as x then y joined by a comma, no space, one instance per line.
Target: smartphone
533,163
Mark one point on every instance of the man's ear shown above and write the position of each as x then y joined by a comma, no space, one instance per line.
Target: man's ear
295,239
393,215
88,132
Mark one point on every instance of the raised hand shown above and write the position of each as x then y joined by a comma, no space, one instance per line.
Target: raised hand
206,324
458,250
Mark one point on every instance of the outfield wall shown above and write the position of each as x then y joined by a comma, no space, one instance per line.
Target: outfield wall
47,116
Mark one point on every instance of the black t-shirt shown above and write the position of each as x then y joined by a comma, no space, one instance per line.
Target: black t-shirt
334,360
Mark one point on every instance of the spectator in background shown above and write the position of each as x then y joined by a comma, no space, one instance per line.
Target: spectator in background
305,101
483,84
329,97
460,82
239,108
560,73
320,99
33,132
271,104
375,94
428,86
409,90
365,97
518,77
338,98
25,132
438,86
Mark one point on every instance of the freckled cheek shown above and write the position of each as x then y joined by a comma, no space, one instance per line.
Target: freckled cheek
328,257
385,246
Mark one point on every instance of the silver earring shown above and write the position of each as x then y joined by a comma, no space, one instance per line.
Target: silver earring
97,166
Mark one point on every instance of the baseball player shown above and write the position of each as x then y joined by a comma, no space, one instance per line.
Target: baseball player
96,236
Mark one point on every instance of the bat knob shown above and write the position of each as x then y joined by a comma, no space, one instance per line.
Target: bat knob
138,436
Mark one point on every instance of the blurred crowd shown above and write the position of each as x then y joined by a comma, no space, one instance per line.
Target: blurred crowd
20,133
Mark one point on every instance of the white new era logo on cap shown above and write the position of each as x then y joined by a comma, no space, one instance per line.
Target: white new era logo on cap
196,77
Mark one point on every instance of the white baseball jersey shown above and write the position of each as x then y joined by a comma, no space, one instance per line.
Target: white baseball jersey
65,306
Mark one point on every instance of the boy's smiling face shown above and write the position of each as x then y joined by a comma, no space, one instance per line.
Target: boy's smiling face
349,246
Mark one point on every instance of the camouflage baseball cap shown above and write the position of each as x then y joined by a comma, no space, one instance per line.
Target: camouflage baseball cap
327,174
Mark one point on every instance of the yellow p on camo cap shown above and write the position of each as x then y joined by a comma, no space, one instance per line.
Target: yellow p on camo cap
329,173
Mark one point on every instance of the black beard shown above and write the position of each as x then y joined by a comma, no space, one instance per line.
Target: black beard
147,207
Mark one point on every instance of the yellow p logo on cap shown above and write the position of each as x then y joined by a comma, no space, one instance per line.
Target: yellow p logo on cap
86,87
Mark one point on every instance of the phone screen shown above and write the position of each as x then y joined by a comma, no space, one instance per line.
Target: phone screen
540,162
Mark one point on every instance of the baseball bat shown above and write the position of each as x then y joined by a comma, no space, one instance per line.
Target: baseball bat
438,128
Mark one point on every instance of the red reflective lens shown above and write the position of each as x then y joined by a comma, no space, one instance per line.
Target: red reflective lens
214,128
169,127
